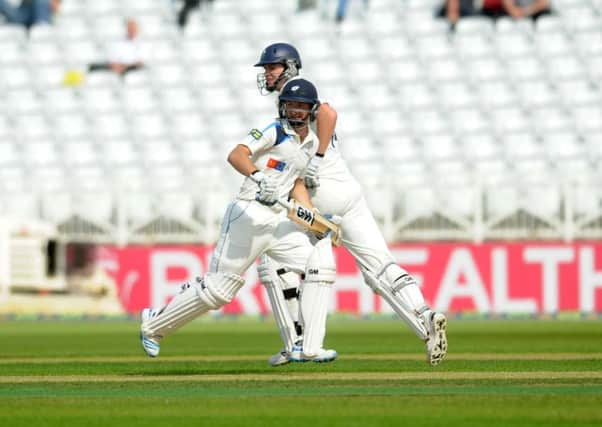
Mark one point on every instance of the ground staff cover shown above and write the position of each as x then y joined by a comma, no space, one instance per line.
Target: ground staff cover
498,373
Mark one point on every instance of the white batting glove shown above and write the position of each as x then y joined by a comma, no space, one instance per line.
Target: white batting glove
268,189
311,178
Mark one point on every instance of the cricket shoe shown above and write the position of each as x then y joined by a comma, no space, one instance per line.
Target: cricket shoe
324,356
150,345
436,343
278,359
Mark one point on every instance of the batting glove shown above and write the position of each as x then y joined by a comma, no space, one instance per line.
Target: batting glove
311,178
268,190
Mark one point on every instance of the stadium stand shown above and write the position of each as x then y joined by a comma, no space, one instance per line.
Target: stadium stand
498,123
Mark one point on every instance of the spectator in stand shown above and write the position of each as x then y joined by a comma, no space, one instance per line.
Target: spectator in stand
29,12
455,9
125,55
341,12
187,7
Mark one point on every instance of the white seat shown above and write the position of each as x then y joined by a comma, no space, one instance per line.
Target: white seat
148,126
81,52
440,147
43,32
509,120
496,94
167,178
119,152
400,149
100,100
588,118
197,153
72,126
86,178
139,78
446,69
416,96
138,100
394,48
438,46
207,75
16,76
13,32
359,148
189,125
48,77
565,68
377,97
422,24
562,146
199,51
96,206
468,121
218,100
484,70
80,152
520,146
553,119
102,79
536,94
427,122
23,205
44,53
381,23
169,75
178,99
480,146
475,25
9,155
110,126
354,48
473,46
32,127
589,43
525,69
24,101
61,101
456,95
553,44
579,92
513,45
404,71
158,152
49,178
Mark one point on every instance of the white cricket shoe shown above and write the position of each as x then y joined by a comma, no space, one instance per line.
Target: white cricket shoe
324,356
151,346
278,359
436,343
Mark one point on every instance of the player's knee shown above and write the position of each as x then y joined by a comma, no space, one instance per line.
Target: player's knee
321,266
219,289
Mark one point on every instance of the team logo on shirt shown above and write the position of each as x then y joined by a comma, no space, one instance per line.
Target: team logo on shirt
255,133
276,164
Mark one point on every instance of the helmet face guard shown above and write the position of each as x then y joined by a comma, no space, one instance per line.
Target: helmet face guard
278,53
298,91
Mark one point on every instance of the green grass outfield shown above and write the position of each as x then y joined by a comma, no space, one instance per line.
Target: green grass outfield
498,373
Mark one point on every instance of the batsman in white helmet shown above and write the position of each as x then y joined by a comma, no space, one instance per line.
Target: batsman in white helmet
334,190
272,161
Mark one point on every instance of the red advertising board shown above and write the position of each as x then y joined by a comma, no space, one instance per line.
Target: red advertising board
487,278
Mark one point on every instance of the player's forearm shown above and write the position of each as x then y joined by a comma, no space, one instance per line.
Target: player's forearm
327,120
299,193
240,160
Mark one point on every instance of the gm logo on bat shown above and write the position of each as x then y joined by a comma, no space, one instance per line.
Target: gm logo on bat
305,215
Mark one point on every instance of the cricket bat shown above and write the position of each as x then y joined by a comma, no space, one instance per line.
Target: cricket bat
312,220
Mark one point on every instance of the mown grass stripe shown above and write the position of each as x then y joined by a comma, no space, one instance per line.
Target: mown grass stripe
433,375
188,391
237,358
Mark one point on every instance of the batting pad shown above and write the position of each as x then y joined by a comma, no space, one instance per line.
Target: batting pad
397,297
270,279
211,292
320,274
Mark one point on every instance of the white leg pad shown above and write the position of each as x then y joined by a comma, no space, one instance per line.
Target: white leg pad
207,293
320,275
272,282
392,283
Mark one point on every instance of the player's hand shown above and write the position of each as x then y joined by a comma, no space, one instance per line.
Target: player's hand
268,189
311,178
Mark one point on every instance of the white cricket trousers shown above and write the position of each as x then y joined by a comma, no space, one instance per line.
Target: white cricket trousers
250,229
